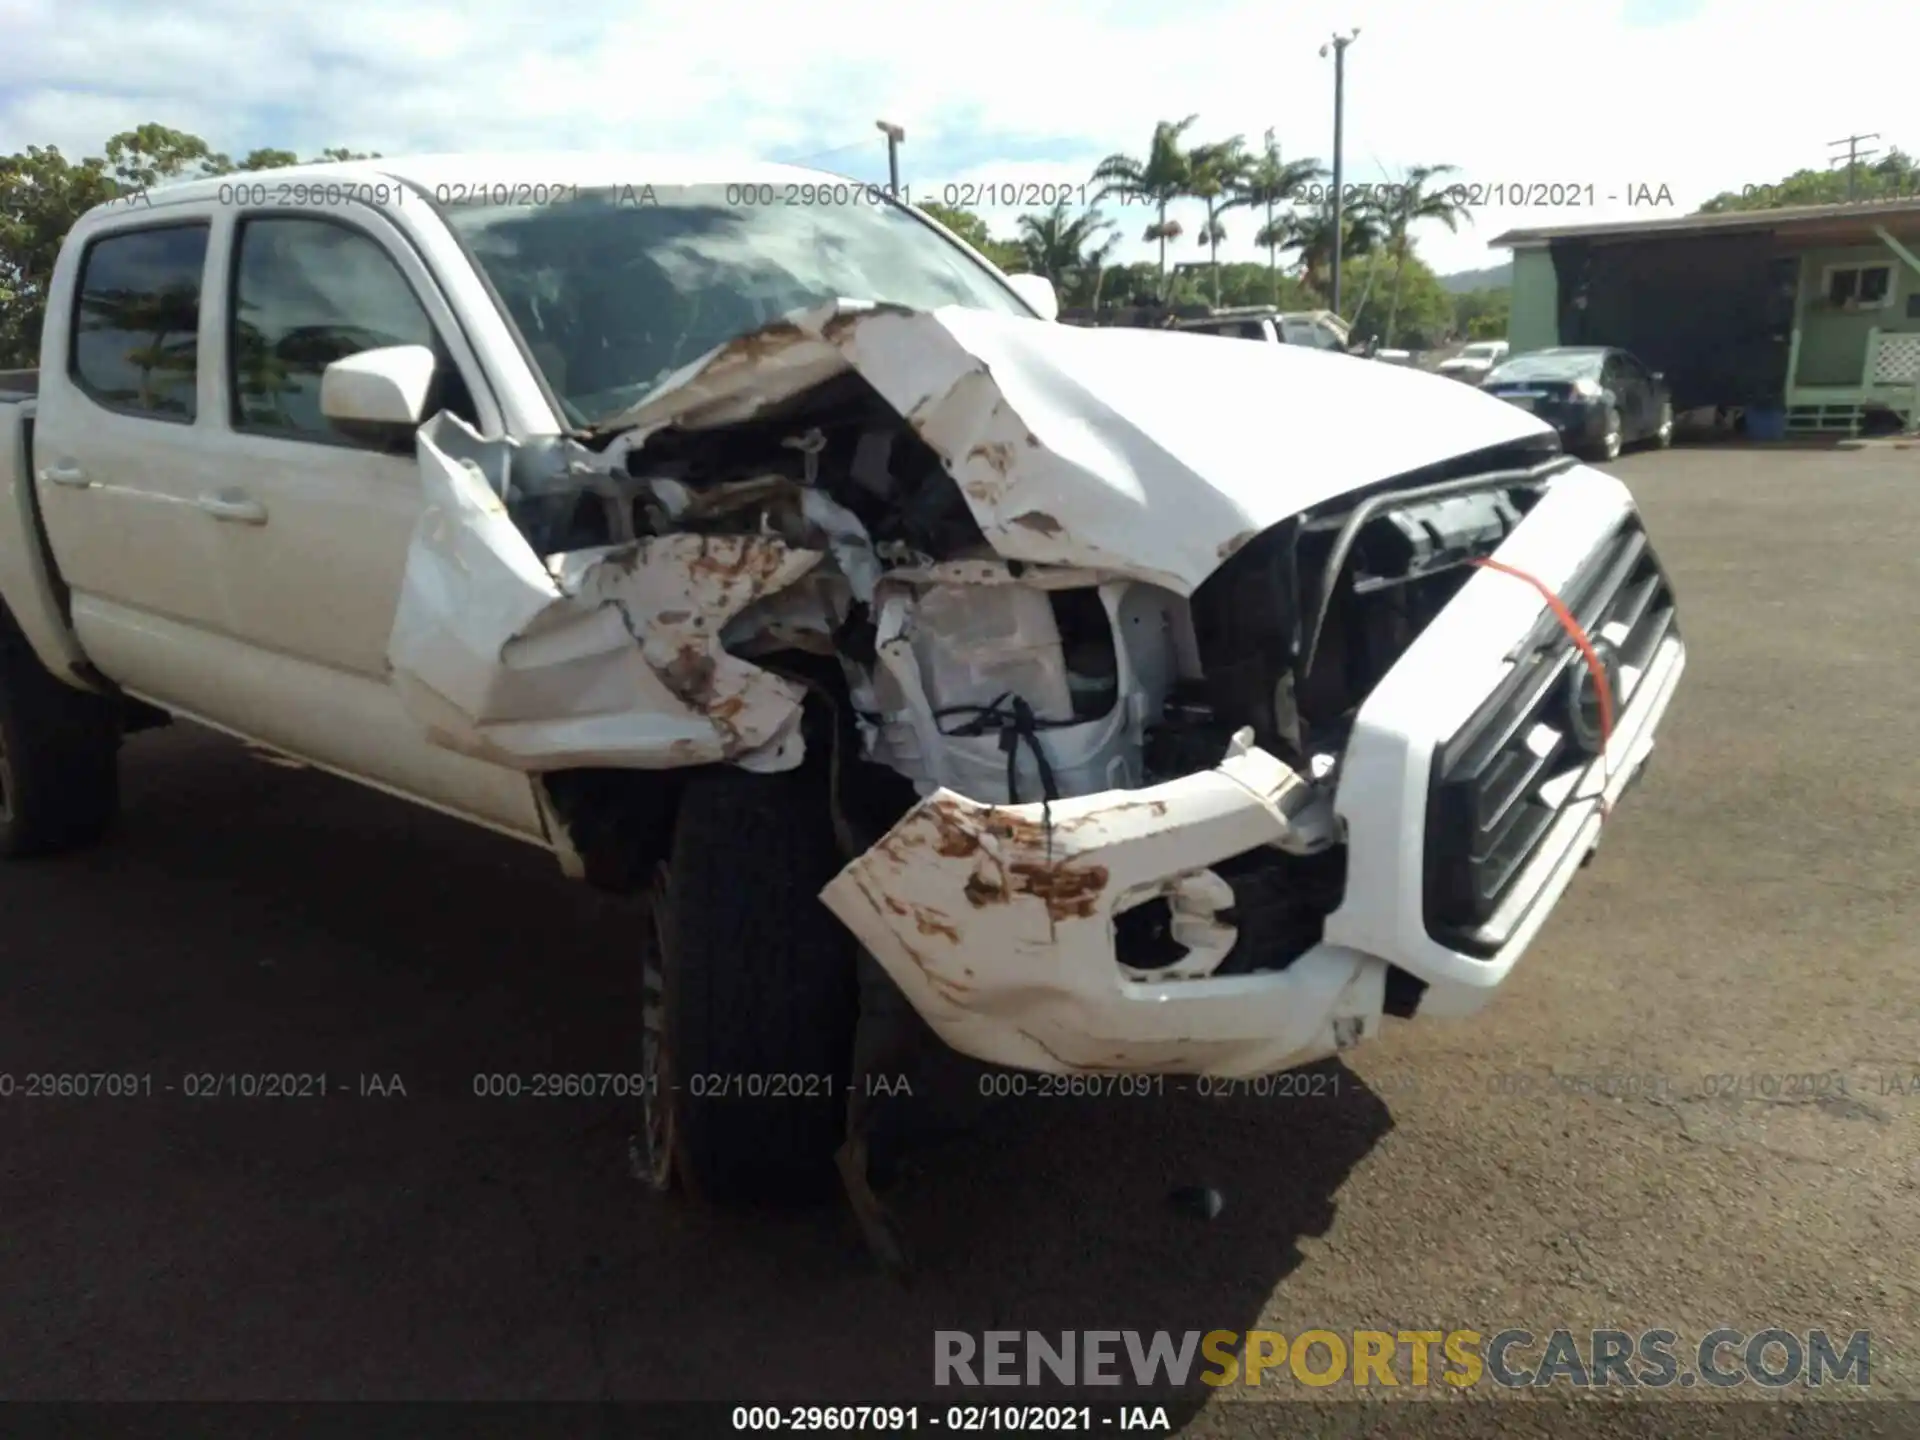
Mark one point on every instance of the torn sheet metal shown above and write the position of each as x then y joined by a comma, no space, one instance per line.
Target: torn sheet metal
1151,454
609,656
997,923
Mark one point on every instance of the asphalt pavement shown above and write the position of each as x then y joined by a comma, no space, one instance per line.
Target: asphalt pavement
1602,1148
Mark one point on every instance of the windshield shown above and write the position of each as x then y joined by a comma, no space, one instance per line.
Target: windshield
1480,352
1548,365
614,293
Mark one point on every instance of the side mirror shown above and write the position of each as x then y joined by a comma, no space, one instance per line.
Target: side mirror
1037,291
378,395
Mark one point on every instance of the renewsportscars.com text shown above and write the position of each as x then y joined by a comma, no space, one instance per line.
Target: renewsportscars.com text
1771,1358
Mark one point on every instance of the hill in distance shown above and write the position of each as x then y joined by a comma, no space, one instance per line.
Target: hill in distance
1494,277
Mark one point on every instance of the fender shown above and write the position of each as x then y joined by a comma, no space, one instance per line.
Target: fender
32,594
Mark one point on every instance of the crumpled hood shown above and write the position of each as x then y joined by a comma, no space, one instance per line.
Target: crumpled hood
1152,453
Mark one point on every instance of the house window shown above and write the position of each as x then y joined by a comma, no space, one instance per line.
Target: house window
1859,287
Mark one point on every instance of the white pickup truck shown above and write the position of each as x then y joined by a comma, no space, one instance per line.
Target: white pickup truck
1140,704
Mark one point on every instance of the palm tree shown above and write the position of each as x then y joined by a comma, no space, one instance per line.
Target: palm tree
1372,213
1055,245
1411,201
1159,180
1269,183
1311,233
1218,174
1096,265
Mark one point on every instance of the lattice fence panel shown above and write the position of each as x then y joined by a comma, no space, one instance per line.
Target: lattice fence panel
1897,360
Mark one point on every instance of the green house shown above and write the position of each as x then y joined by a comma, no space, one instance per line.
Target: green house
1812,309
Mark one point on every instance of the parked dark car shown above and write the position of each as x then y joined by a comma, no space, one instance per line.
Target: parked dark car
1599,398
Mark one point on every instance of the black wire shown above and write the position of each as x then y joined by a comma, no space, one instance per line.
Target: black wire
1017,725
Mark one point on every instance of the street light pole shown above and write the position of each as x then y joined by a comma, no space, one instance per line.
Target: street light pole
895,135
1339,45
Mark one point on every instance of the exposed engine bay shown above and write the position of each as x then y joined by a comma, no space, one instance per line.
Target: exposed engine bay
773,526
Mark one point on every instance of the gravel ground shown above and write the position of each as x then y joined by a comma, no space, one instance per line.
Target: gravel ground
1750,915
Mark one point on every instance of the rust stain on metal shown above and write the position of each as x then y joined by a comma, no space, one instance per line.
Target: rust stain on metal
997,454
951,830
690,674
838,325
1068,891
954,837
673,617
769,340
1229,546
726,558
931,922
984,890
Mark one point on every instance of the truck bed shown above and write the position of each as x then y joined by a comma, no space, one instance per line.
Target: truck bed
19,384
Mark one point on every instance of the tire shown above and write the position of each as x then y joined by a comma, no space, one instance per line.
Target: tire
751,994
59,757
1609,446
1663,432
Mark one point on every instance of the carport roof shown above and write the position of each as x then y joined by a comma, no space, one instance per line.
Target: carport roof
1826,223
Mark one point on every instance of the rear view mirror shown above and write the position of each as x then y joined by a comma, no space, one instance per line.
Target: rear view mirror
378,395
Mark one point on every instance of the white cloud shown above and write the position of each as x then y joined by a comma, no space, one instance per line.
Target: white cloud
1513,92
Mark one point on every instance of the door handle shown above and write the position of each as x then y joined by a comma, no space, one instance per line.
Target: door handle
233,506
65,472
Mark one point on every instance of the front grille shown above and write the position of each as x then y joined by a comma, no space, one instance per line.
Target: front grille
1501,780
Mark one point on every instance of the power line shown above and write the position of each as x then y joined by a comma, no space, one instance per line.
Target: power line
1854,156
823,154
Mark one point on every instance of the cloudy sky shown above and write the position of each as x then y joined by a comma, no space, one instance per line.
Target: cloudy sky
1616,95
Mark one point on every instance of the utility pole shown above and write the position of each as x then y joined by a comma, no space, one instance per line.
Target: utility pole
895,135
1339,45
1854,156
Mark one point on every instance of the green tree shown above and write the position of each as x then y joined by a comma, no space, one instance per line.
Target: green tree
151,153
1310,231
1405,205
1056,245
1253,282
41,194
964,223
1894,176
1163,177
1482,314
1270,184
1425,310
1218,179
1005,254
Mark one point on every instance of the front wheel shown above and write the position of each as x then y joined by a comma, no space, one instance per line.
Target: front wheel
1663,433
1609,446
750,992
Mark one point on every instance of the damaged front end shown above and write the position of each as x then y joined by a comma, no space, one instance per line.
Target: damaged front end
1130,688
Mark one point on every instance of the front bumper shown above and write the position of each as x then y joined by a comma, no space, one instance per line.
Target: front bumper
997,922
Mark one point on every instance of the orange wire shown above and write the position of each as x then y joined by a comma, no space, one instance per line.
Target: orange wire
1576,633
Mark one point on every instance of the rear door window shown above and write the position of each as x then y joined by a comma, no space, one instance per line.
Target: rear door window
136,322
